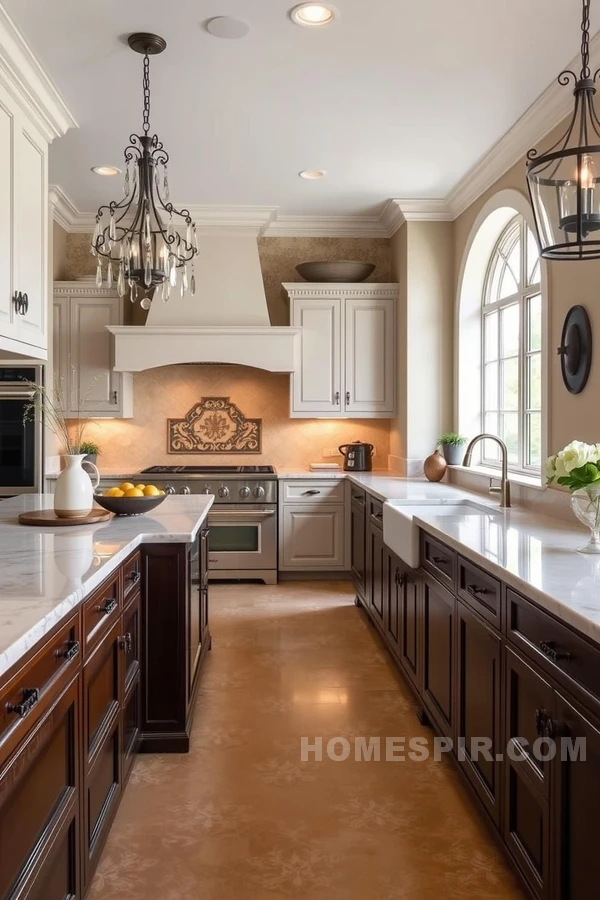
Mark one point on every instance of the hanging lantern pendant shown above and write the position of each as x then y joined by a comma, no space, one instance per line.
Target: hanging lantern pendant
564,182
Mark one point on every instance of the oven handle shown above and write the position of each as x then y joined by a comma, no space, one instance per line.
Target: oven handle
241,514
19,393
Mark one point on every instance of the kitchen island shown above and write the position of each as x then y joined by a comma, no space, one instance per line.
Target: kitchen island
103,631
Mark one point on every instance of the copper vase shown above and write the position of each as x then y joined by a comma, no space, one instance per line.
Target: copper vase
435,466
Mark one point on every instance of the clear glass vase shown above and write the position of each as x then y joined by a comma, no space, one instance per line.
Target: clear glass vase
585,504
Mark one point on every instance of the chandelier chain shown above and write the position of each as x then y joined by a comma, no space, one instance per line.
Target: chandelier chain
146,83
585,40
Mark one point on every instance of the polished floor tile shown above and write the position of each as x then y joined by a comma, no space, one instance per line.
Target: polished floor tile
241,816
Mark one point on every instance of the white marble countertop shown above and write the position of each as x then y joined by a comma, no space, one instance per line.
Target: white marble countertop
46,572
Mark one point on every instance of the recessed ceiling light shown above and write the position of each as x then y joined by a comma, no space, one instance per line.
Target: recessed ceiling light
313,15
227,27
106,170
312,174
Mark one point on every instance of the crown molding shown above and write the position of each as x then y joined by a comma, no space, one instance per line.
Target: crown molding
328,226
26,81
544,114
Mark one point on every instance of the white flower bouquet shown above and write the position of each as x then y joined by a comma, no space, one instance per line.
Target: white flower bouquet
577,467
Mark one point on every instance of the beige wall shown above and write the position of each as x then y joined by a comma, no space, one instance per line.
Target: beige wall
169,392
422,263
569,416
59,252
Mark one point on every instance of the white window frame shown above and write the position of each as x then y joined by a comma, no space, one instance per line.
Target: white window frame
525,292
486,226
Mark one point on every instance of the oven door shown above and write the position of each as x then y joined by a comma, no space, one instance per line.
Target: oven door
242,538
20,443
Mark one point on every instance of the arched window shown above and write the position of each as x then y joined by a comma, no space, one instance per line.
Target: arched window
512,349
501,336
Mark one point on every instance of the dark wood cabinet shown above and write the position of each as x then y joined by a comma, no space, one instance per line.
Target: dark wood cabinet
409,600
358,540
376,554
478,707
39,805
526,827
71,715
438,655
577,800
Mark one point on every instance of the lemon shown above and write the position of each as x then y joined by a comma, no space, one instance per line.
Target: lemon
133,492
113,492
151,491
140,487
162,493
126,486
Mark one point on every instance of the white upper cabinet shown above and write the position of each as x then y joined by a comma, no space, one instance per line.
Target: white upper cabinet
83,351
348,357
23,233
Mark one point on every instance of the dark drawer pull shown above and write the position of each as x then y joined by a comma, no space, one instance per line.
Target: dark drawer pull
548,649
358,499
126,642
311,493
545,726
440,560
475,591
400,578
30,698
108,607
377,515
134,576
69,652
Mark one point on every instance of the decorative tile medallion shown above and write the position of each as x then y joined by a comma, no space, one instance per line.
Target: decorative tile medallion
214,425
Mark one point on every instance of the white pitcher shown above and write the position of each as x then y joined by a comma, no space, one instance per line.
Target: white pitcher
74,494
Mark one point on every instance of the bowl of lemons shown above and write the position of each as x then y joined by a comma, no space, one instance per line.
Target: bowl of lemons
130,499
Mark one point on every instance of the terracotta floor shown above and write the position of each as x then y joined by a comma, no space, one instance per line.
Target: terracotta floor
242,817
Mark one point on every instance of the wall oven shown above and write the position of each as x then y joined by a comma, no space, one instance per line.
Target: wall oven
243,542
21,443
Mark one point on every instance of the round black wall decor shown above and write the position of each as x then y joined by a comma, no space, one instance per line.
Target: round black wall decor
575,349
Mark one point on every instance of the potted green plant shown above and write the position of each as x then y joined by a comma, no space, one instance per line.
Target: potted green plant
452,444
91,451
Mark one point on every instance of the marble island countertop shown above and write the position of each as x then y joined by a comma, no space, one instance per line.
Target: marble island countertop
46,572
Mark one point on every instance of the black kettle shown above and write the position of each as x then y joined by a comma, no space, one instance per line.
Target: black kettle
358,457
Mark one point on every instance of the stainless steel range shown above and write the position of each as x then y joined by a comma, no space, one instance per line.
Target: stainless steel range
242,521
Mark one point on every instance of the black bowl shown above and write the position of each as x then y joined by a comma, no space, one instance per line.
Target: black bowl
129,506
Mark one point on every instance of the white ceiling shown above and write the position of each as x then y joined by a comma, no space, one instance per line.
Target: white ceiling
397,99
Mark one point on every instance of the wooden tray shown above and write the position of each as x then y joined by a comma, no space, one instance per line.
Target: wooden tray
49,517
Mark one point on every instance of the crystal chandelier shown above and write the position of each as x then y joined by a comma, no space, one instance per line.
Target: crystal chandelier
563,181
133,246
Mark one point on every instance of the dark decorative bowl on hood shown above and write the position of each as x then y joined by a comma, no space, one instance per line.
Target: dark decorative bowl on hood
335,270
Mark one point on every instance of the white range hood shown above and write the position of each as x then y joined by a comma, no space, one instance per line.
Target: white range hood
227,321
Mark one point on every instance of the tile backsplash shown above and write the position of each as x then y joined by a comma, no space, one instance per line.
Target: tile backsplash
170,391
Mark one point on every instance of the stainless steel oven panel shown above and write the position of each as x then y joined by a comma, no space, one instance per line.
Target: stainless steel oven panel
252,543
16,390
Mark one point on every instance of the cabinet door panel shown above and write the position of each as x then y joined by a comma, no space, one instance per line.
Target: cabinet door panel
369,364
131,726
313,538
479,654
410,642
101,691
93,382
578,801
7,327
358,544
375,570
37,784
131,641
317,387
438,656
526,815
102,792
393,618
31,228
57,879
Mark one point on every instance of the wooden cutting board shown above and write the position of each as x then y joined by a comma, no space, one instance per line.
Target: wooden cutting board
49,517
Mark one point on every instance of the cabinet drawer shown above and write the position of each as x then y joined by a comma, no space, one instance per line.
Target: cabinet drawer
132,574
553,645
38,791
480,591
101,691
316,491
439,561
101,611
375,512
357,496
32,689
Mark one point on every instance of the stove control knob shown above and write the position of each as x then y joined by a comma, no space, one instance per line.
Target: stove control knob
206,490
245,492
223,492
169,489
184,490
259,492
